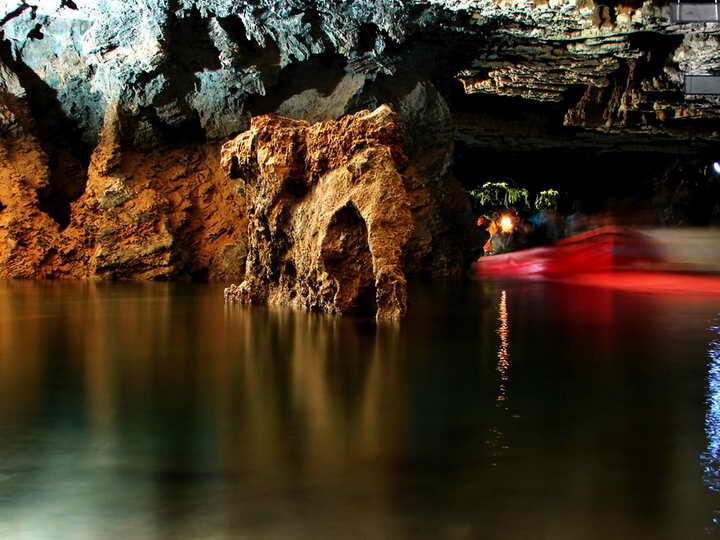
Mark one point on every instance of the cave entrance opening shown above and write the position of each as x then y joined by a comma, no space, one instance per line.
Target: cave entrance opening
348,261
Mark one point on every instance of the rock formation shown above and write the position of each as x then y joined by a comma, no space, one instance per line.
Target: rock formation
159,214
329,213
27,235
113,113
200,66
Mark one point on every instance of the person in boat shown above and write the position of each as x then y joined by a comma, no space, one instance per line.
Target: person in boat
483,224
546,227
492,229
576,222
501,228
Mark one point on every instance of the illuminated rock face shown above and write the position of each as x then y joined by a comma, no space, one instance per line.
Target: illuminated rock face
161,214
199,66
113,113
27,235
330,216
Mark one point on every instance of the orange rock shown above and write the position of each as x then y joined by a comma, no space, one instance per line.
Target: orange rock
329,213
328,216
28,237
160,214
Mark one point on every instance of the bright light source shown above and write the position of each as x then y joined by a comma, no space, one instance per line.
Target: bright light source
716,167
506,224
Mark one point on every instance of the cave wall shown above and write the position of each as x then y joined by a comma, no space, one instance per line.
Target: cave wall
160,214
113,114
183,68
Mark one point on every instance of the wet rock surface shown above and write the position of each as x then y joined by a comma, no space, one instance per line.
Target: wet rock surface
198,67
329,214
160,214
113,115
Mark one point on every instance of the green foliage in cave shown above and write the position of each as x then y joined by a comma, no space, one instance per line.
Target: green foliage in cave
547,199
493,195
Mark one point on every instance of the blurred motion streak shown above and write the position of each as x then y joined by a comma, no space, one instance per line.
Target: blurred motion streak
667,260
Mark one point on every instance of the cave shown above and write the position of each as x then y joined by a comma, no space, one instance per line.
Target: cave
347,258
314,269
591,106
478,98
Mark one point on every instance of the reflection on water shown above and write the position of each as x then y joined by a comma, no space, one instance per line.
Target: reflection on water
176,407
711,456
503,352
497,439
154,411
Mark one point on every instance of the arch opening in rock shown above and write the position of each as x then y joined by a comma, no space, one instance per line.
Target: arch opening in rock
347,259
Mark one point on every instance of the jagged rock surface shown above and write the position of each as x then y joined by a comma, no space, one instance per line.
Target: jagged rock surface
159,214
329,213
27,234
165,214
201,65
112,113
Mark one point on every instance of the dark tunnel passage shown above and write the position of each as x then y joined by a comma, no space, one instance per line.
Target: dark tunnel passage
653,188
648,179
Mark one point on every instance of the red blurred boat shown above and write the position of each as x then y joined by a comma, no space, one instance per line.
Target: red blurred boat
607,249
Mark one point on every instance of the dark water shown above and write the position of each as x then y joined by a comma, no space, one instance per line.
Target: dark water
521,411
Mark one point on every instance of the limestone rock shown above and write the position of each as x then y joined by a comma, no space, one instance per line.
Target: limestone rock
329,214
28,236
199,66
163,214
158,214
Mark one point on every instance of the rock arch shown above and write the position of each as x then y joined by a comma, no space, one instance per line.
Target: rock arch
347,259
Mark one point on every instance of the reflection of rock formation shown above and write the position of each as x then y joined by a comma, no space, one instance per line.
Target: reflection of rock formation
155,388
20,368
330,214
268,423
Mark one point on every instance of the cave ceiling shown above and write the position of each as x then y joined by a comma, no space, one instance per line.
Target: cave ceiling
538,73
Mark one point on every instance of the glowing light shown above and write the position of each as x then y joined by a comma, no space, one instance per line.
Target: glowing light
716,167
506,224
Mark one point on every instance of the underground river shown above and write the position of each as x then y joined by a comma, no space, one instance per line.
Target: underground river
495,410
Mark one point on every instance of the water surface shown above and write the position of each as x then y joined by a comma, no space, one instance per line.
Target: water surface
496,410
